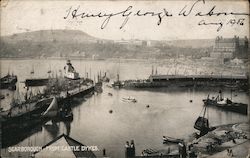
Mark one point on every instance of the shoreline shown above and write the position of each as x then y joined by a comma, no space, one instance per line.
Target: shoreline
221,139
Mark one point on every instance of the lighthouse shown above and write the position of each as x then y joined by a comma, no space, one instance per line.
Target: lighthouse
69,71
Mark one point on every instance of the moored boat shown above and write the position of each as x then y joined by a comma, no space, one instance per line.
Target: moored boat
226,104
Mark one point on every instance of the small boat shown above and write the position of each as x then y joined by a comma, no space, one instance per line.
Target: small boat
129,99
151,152
167,139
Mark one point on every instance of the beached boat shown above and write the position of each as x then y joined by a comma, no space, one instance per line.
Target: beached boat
226,104
167,139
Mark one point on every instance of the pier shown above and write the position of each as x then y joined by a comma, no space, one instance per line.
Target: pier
227,81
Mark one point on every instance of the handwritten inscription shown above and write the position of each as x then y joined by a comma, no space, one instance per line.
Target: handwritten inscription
186,11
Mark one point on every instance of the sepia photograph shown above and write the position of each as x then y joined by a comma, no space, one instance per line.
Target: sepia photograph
124,79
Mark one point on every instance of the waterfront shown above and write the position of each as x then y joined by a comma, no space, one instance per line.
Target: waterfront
170,113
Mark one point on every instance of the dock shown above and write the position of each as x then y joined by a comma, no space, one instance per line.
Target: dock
227,81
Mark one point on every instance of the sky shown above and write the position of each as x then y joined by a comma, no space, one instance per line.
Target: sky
33,15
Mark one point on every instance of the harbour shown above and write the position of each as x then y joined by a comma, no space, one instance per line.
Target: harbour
124,79
154,111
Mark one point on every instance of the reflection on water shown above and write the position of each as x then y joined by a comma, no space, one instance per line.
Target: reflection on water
170,111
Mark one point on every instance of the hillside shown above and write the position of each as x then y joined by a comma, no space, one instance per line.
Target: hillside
66,43
50,36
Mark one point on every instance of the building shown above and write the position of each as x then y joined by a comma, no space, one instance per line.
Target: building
64,147
229,48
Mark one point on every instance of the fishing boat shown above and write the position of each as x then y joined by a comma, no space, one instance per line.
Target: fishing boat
8,82
167,139
129,99
226,104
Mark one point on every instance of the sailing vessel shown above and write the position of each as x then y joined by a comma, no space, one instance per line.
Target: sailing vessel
202,122
226,103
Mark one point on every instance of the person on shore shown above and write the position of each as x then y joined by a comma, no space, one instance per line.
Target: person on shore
132,146
127,144
127,149
104,152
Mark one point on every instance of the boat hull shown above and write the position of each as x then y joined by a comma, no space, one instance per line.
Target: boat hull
234,107
10,122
